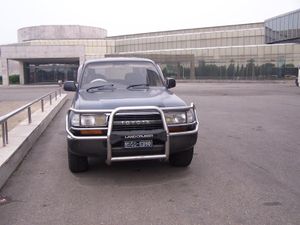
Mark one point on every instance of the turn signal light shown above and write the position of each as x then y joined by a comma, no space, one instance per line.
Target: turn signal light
177,129
91,132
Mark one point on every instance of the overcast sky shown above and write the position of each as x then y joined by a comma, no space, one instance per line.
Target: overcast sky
136,16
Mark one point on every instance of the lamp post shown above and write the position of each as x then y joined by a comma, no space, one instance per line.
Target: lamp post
298,78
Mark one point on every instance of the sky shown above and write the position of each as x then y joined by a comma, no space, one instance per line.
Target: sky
135,16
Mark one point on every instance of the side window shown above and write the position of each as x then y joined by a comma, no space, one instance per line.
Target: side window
153,78
162,76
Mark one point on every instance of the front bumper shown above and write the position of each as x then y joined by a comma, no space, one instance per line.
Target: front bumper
103,146
98,147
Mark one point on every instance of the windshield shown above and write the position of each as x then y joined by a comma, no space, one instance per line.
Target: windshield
121,74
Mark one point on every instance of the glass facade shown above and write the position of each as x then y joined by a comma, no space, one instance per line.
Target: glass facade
284,28
49,73
266,50
247,59
246,36
255,62
227,52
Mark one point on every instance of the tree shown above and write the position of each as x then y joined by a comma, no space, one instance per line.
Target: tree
231,70
200,69
242,71
237,73
250,68
266,70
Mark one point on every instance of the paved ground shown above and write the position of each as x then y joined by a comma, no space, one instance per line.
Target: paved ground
24,93
246,169
14,97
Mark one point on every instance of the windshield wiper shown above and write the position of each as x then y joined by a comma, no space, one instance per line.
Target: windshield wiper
138,85
99,87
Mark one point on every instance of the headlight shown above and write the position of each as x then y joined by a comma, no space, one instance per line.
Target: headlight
88,120
175,117
180,117
93,120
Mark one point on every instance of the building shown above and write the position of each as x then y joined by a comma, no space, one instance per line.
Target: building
265,50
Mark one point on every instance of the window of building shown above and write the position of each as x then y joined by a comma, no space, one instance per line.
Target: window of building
49,73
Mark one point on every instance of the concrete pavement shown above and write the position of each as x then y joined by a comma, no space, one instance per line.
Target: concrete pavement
23,137
24,92
15,96
246,169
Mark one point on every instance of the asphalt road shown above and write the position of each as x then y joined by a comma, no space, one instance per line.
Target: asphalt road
246,169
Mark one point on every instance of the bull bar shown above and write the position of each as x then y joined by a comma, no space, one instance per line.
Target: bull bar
109,129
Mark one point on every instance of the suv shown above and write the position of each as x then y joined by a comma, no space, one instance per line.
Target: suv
123,110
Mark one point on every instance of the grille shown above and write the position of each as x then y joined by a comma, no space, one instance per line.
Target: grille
129,122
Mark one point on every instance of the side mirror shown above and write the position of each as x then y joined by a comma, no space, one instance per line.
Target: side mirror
70,86
171,82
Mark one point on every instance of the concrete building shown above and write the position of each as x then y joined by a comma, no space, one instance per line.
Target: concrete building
265,50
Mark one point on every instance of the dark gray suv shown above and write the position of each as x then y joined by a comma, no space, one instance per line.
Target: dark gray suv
123,110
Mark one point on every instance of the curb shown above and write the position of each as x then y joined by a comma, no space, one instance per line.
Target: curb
237,81
23,136
12,86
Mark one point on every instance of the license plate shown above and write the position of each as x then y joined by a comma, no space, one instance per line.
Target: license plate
138,144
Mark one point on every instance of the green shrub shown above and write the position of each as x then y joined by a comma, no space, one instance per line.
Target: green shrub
0,79
14,79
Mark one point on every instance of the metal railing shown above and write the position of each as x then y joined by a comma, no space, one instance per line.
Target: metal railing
3,119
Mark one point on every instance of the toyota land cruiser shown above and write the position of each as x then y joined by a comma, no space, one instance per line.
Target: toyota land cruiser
123,110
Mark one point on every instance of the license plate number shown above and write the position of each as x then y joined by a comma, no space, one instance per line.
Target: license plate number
138,144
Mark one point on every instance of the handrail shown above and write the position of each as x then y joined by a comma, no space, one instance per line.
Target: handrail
3,119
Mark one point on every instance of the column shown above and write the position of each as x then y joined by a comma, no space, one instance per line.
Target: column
4,72
81,59
21,72
298,79
192,70
178,72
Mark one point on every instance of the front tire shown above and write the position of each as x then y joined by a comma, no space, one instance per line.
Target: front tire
77,163
182,159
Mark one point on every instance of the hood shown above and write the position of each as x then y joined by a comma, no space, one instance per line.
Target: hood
110,99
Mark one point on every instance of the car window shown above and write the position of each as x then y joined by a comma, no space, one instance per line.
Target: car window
121,74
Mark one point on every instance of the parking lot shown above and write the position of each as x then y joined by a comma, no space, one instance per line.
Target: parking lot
246,169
